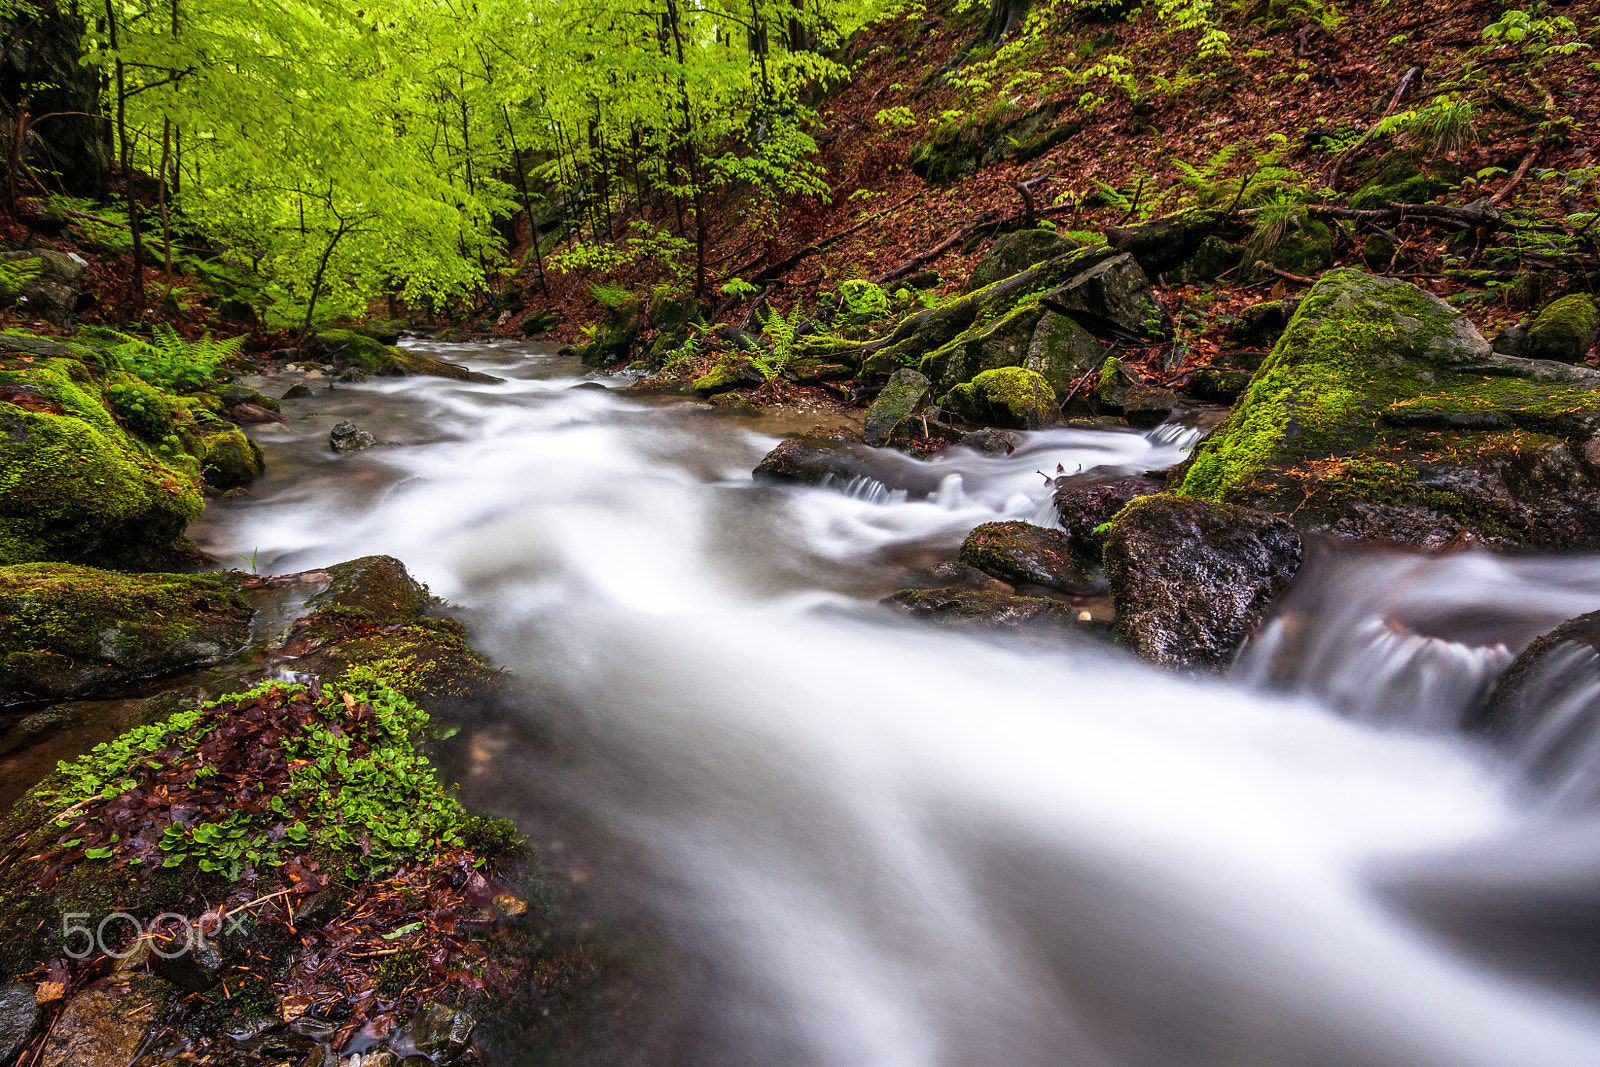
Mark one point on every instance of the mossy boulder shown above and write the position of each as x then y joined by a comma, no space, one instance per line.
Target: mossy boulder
998,343
67,630
1564,330
1401,179
231,460
1191,580
1306,247
1217,385
1020,552
1017,251
1165,243
142,408
1382,414
1010,397
1114,295
731,374
378,587
75,484
906,393
967,145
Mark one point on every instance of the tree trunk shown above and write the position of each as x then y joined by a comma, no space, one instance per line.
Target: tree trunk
1005,18
126,163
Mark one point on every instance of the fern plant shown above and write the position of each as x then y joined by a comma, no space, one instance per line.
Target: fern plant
781,331
167,360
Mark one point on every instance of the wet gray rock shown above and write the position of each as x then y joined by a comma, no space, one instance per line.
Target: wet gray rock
1544,708
984,609
18,1016
1191,580
195,970
953,574
298,391
1084,504
906,394
107,1023
993,442
53,293
435,1031
255,413
1022,552
346,436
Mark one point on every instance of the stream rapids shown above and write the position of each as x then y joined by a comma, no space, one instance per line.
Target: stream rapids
879,844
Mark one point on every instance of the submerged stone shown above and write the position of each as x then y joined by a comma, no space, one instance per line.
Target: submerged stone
984,609
107,1023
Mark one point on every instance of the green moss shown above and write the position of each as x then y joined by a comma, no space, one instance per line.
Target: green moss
1564,329
141,408
360,351
65,628
1006,396
231,460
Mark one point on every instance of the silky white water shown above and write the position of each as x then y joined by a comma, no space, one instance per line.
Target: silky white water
885,844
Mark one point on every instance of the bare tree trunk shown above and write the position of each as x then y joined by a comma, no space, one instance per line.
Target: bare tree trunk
126,162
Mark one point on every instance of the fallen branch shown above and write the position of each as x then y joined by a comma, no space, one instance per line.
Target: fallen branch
1516,179
1300,279
983,221
769,273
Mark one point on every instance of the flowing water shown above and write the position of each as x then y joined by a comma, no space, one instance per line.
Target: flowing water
876,843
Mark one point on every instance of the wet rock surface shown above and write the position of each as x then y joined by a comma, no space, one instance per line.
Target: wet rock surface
1020,552
346,436
906,393
1191,580
1084,503
19,1012
107,1023
985,609
833,459
53,292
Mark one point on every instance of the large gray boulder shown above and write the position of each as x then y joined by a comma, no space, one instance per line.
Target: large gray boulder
53,291
1191,580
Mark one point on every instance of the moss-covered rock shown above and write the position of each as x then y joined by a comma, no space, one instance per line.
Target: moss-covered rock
1564,330
969,144
1022,552
1191,580
1306,247
1114,294
51,292
378,587
142,408
1014,252
1009,397
67,630
999,343
74,483
1382,414
1217,385
231,460
731,374
1401,179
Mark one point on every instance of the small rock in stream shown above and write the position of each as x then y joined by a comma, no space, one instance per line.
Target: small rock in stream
348,437
1019,551
106,1024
